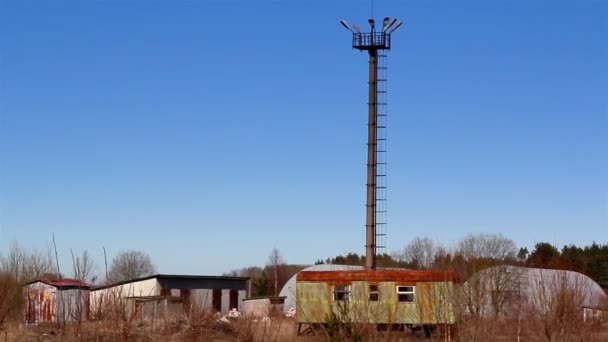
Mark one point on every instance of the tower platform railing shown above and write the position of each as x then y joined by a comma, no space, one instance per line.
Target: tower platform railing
372,41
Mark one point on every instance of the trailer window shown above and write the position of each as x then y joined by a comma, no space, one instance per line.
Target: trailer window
341,292
373,293
405,294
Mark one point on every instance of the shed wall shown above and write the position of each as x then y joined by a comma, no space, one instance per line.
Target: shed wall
101,297
202,298
72,305
225,301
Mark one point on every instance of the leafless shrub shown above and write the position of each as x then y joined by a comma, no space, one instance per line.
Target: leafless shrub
275,261
10,299
26,265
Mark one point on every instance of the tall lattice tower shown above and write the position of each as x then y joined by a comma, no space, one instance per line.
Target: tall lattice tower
377,44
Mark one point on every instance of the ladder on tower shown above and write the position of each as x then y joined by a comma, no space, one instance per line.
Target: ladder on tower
381,156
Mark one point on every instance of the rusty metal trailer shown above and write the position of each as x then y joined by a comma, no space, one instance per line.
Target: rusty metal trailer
382,297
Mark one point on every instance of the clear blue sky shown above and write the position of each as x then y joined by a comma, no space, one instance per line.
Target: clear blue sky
207,132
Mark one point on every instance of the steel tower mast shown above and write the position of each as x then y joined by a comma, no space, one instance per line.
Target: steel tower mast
376,43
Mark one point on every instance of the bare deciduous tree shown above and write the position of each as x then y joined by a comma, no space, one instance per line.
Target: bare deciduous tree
275,261
420,253
83,266
26,265
487,246
130,264
484,298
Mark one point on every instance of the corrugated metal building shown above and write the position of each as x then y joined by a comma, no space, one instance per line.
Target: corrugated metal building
160,295
56,300
394,296
531,289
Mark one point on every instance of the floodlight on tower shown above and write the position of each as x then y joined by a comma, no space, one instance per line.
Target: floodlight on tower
345,24
389,24
385,23
372,23
395,28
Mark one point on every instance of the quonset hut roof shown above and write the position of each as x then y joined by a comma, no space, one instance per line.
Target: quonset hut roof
530,282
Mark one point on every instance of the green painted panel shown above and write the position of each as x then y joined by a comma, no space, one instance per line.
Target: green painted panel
443,306
360,309
313,301
432,303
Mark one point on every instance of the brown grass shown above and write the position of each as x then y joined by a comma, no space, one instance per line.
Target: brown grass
208,328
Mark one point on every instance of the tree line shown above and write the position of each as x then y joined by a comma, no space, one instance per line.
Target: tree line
476,252
468,256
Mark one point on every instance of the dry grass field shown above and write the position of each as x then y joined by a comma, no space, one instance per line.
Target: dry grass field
277,329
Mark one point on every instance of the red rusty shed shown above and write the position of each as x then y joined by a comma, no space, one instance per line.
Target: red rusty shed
56,300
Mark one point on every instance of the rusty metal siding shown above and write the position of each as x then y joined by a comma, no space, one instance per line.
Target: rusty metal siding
72,305
399,275
46,303
39,303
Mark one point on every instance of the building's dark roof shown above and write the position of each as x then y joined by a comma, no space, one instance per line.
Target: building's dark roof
377,275
62,283
172,276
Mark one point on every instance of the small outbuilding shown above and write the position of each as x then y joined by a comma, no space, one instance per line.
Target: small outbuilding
384,297
56,300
